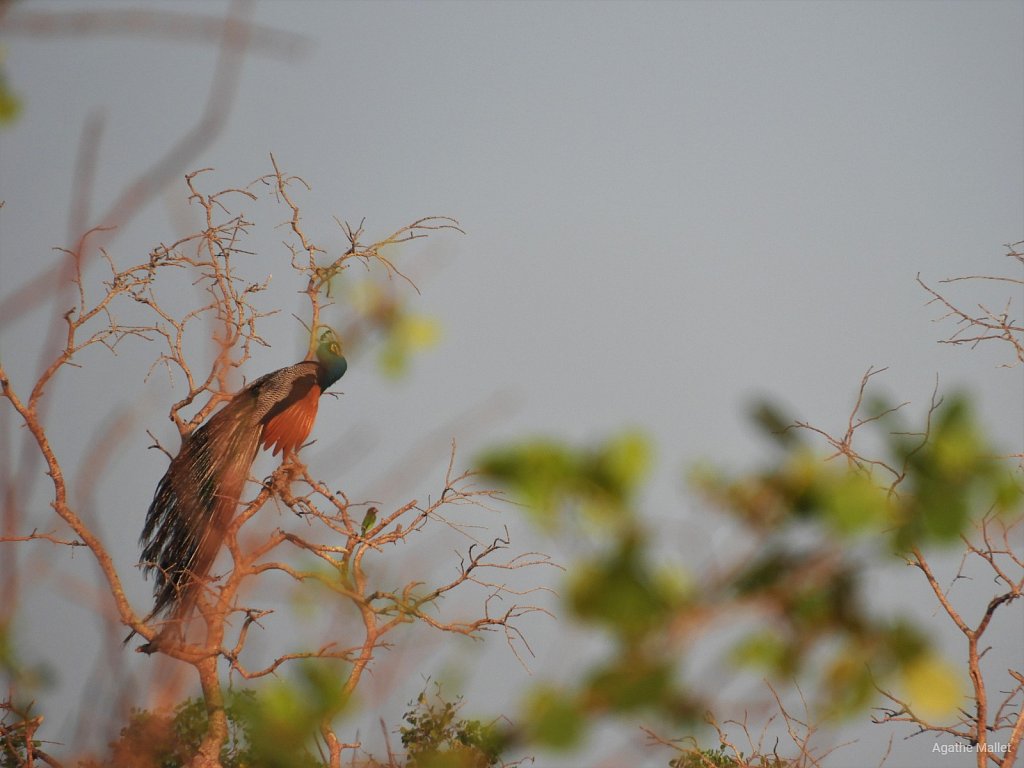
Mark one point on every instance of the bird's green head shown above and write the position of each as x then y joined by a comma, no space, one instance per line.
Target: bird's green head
328,352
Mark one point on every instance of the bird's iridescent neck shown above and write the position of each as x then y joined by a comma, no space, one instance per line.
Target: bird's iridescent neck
334,366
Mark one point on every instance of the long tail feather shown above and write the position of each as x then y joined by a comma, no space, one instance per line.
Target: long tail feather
194,504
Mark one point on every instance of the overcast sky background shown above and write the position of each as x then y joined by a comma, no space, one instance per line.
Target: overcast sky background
670,209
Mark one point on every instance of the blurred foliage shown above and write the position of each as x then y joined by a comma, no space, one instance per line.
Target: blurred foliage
806,530
14,671
285,717
404,333
553,718
933,686
925,490
408,335
18,718
10,103
952,475
550,477
617,590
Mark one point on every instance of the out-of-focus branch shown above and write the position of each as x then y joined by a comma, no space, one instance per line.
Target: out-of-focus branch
234,36
154,24
60,499
306,254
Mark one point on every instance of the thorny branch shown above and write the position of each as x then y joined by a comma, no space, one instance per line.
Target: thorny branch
306,254
138,303
844,445
980,727
345,571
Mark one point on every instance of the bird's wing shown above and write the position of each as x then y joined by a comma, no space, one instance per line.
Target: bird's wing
287,406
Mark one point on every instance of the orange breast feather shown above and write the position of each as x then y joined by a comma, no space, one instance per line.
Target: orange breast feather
288,430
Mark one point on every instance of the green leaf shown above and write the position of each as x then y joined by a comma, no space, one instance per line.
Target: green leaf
763,650
10,102
852,502
631,682
621,591
774,423
933,687
553,719
624,462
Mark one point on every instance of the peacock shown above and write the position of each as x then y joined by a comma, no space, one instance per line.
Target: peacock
198,496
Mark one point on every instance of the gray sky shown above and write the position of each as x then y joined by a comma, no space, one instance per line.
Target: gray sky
670,208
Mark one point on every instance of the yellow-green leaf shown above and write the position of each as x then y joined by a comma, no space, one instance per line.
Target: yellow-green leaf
932,686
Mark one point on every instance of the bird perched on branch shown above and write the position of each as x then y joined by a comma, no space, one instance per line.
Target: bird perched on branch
199,494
